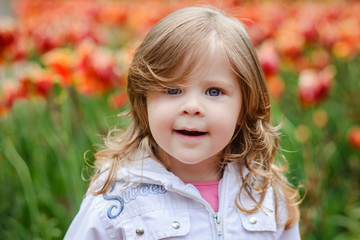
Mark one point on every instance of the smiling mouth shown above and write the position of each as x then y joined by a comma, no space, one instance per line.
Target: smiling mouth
191,133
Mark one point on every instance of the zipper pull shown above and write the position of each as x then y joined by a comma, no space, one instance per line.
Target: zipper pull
218,223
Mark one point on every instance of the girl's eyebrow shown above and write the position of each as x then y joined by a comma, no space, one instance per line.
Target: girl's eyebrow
219,81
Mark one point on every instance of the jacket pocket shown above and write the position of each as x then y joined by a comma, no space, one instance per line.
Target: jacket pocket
157,224
259,221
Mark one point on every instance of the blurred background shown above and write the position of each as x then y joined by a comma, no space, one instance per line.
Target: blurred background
63,67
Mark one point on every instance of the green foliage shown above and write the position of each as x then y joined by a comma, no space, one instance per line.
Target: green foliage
43,142
320,157
42,163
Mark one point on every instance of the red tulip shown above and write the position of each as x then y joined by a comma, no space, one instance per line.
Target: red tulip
102,64
308,28
13,91
44,83
7,35
49,33
308,16
83,28
21,46
327,34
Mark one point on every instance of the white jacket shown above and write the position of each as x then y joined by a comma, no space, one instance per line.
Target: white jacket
158,205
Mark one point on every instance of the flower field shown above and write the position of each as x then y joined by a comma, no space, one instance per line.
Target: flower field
63,69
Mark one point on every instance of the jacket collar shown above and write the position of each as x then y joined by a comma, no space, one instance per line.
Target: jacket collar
145,169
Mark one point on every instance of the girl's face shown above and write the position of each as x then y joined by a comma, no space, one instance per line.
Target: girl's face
193,124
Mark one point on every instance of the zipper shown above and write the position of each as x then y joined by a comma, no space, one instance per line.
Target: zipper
216,215
218,224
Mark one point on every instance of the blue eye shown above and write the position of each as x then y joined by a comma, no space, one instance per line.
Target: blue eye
173,91
213,92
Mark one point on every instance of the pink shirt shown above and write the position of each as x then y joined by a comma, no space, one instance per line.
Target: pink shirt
209,191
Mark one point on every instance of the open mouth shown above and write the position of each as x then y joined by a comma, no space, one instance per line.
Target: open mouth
191,133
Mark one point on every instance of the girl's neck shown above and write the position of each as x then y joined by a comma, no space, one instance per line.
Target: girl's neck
201,172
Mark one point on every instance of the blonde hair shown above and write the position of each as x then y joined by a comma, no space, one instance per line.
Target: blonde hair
189,34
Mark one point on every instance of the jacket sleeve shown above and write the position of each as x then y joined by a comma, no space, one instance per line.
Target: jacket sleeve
87,224
292,233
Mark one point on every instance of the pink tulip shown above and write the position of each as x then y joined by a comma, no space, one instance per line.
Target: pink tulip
314,86
269,58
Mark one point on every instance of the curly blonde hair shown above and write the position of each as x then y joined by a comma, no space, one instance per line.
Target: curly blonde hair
193,33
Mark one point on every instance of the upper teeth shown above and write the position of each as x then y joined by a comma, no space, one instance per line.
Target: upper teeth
191,133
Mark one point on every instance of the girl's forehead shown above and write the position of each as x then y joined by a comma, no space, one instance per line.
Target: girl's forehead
201,66
199,49
194,61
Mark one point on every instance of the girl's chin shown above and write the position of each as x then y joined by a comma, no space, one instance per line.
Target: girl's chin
192,160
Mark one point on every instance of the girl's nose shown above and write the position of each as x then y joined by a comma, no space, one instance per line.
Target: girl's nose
192,106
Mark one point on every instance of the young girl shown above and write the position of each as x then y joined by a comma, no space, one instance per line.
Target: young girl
196,161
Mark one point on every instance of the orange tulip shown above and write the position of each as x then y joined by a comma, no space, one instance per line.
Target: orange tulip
118,100
276,86
290,41
348,31
354,137
61,60
320,58
87,85
114,13
3,108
